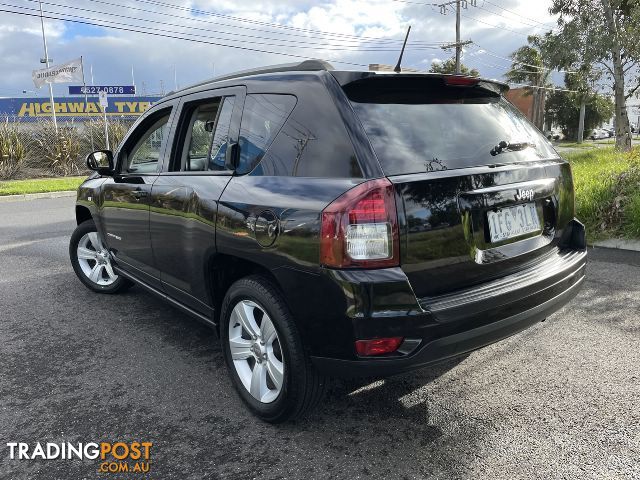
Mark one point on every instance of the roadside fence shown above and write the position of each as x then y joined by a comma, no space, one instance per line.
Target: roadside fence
33,149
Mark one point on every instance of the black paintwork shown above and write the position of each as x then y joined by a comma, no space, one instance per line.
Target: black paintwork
182,233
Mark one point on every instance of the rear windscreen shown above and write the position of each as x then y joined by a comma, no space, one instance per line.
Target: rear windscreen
417,132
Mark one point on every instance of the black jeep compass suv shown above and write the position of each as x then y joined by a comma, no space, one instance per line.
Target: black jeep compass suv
331,223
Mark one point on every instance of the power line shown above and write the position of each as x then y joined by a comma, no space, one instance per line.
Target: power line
297,44
499,67
495,26
481,50
244,35
511,19
517,14
429,4
176,37
245,20
553,89
312,46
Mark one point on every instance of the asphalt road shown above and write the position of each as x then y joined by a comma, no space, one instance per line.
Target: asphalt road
558,401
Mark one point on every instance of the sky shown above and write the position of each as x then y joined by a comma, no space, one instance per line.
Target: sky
349,33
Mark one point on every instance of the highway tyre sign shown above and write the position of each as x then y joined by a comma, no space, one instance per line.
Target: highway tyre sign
95,89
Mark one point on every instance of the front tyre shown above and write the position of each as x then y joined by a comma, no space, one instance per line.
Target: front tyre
264,352
91,260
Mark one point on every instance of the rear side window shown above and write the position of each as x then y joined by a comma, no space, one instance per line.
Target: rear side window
262,118
218,150
418,132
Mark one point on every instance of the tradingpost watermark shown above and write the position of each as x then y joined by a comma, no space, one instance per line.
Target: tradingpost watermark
110,457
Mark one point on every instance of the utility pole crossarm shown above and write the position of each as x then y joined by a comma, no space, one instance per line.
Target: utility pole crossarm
447,46
458,44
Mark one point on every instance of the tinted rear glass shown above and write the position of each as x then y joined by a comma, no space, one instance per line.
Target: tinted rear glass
415,132
262,118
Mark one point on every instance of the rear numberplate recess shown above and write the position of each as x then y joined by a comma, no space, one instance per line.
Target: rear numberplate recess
515,221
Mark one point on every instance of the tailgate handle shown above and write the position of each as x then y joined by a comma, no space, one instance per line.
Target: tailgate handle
506,194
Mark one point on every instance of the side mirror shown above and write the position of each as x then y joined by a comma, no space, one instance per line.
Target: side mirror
101,161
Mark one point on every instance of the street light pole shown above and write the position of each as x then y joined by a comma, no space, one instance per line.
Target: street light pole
46,59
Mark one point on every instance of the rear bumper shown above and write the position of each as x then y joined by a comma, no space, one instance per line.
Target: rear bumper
455,324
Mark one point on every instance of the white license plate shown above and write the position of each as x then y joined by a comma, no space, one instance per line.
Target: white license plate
510,222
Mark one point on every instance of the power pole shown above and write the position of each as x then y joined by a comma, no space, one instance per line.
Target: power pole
458,43
46,62
458,46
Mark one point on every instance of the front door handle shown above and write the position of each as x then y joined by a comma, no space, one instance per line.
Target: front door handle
140,193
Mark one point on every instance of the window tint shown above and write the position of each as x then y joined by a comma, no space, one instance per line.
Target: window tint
144,156
205,135
313,142
262,118
412,135
199,135
221,136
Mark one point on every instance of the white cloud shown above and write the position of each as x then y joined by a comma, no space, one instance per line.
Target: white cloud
113,52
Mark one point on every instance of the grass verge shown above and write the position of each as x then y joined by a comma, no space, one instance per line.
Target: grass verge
39,185
607,186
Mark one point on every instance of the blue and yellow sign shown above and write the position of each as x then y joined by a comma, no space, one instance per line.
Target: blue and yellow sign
73,107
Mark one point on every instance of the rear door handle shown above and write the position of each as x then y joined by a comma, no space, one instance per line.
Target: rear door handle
140,193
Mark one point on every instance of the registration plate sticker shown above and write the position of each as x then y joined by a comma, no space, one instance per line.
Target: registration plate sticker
510,222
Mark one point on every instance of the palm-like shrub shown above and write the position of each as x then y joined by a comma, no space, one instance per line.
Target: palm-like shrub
12,149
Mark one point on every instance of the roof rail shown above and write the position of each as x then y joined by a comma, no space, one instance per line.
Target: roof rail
305,66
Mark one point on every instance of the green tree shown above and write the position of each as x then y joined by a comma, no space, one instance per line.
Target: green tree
563,109
603,33
449,66
530,66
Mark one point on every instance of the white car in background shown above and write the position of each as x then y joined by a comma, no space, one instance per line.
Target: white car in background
599,134
554,134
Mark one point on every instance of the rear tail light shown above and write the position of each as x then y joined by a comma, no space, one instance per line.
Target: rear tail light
377,346
360,228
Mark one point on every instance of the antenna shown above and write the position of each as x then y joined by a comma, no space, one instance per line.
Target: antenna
398,69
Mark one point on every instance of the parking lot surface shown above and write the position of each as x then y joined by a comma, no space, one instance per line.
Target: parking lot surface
558,401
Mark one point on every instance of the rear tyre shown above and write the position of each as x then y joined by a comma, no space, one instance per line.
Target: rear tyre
91,261
264,353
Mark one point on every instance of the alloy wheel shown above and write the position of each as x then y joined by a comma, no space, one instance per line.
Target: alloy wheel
256,351
94,260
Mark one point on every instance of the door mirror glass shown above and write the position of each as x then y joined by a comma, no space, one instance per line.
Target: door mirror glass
101,161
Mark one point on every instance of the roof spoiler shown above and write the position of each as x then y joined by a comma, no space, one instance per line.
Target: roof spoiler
345,78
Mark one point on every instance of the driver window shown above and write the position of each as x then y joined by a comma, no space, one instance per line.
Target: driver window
145,154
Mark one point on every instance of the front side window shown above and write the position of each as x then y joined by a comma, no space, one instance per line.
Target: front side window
145,153
263,116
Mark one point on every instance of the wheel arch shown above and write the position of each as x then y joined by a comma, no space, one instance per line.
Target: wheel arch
82,214
224,270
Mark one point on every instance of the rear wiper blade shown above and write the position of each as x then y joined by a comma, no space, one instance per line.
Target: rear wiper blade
511,147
